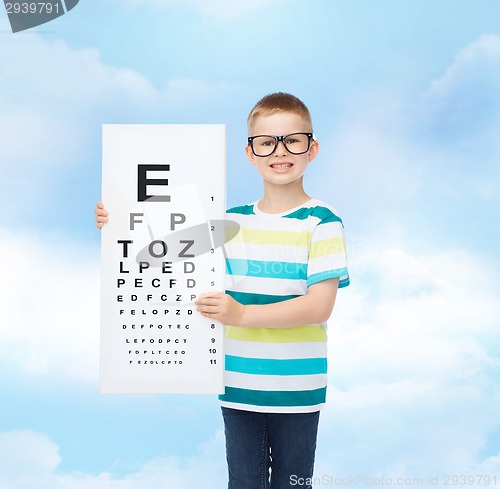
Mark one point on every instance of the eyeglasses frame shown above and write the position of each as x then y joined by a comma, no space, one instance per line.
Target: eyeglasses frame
310,136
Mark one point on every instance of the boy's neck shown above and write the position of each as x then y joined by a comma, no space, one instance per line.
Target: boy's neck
279,199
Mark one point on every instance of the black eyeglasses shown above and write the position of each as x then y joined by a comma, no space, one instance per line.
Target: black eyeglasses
296,143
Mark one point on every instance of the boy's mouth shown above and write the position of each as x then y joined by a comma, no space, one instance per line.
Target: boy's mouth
281,166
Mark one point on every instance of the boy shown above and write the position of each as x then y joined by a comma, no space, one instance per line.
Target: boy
283,269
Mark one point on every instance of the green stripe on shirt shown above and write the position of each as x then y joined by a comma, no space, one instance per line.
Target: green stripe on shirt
319,277
274,398
242,209
324,214
247,298
267,269
265,366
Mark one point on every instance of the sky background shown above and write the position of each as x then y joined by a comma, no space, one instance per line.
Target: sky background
405,100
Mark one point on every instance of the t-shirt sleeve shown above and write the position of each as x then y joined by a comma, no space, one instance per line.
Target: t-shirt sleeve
327,252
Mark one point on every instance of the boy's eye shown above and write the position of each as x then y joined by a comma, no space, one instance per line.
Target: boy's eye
297,139
267,142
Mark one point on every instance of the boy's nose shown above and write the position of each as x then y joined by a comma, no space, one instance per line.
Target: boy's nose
280,149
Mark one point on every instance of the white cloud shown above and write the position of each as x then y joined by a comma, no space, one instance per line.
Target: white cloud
460,111
50,92
490,466
425,163
30,460
53,101
471,82
438,306
413,366
50,312
413,427
25,455
53,97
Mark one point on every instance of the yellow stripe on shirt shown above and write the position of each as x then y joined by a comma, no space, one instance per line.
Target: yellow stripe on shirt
267,237
277,335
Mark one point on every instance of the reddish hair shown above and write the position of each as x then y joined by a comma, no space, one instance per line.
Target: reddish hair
279,102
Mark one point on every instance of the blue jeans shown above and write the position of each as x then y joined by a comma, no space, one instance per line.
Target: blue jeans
269,450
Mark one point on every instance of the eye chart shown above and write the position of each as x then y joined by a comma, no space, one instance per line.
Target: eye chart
164,189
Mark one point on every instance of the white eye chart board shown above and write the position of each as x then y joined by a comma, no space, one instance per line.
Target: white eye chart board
164,188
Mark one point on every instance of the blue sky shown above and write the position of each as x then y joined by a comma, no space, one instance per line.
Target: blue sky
405,102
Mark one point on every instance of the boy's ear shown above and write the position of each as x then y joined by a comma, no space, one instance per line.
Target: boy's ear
249,154
313,150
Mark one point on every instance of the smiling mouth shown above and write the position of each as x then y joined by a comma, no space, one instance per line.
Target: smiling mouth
281,166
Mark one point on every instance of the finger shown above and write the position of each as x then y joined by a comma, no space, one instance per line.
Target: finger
207,295
208,309
209,302
212,315
202,300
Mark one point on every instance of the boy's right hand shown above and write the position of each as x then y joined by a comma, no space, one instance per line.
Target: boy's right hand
101,215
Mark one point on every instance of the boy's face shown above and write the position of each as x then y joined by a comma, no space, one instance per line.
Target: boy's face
281,167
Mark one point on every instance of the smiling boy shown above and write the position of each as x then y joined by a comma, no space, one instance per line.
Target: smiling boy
283,271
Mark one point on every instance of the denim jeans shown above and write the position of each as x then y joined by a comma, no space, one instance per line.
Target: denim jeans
270,450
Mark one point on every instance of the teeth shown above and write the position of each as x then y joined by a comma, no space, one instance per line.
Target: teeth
281,165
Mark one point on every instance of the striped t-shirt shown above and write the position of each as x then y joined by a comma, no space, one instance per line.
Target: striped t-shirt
275,257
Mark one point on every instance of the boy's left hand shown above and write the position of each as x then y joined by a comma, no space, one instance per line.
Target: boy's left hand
221,307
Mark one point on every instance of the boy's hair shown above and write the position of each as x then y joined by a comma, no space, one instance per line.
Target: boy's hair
279,102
